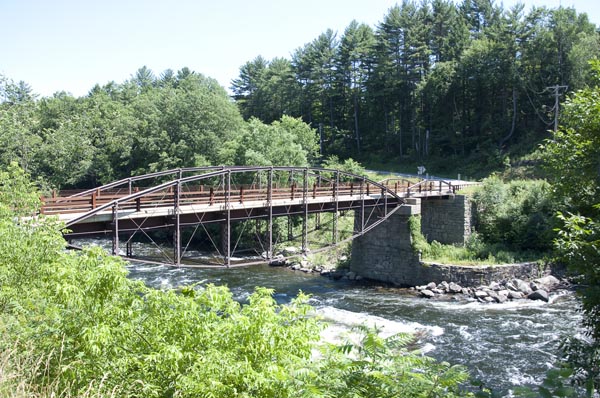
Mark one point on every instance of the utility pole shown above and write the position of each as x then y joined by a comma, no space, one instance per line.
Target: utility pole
557,92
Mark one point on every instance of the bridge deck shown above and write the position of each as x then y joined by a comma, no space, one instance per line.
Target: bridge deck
120,209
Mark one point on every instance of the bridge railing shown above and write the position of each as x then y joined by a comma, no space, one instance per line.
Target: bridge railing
206,195
286,183
431,186
322,183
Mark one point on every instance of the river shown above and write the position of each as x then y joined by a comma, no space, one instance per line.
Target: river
502,345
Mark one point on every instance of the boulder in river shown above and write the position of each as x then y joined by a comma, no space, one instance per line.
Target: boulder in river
522,286
514,295
427,293
454,288
547,283
494,296
278,261
539,294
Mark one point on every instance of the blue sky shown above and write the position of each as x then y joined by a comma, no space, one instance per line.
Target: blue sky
71,45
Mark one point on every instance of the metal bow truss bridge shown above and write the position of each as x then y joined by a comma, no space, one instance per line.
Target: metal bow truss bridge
186,201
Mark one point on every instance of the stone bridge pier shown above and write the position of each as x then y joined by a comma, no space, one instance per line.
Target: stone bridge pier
385,253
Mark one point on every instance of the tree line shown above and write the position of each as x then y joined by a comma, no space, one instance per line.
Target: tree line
148,123
434,80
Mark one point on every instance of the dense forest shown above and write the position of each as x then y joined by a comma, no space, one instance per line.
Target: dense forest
435,82
143,125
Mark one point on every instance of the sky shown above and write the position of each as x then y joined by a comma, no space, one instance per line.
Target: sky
71,45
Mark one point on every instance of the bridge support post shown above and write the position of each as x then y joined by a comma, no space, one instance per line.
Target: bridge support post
115,219
336,207
270,206
385,252
129,248
228,219
176,227
362,205
305,220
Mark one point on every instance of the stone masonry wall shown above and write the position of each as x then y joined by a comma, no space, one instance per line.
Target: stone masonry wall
447,220
471,276
385,253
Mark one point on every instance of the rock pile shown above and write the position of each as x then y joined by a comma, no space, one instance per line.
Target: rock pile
290,257
496,292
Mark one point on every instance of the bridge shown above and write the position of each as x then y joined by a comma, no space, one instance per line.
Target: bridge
190,199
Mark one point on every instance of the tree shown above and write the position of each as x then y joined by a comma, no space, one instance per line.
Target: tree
247,88
354,66
314,64
288,142
573,160
18,125
572,156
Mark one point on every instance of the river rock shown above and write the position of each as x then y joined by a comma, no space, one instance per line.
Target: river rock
480,294
494,296
547,283
431,285
511,286
443,285
502,296
495,286
427,293
514,295
466,291
438,291
539,295
278,261
522,286
290,250
454,288
487,299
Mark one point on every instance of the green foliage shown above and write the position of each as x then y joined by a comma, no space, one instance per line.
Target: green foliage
518,214
572,157
417,239
348,165
385,91
288,142
368,365
143,125
474,252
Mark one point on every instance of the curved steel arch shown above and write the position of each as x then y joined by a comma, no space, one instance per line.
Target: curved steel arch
334,194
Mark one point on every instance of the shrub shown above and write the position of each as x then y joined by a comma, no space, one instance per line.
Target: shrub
518,214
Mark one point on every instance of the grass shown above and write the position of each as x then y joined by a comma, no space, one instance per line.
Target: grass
23,375
474,252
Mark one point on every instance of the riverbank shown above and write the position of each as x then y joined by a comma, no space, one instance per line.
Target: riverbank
481,283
